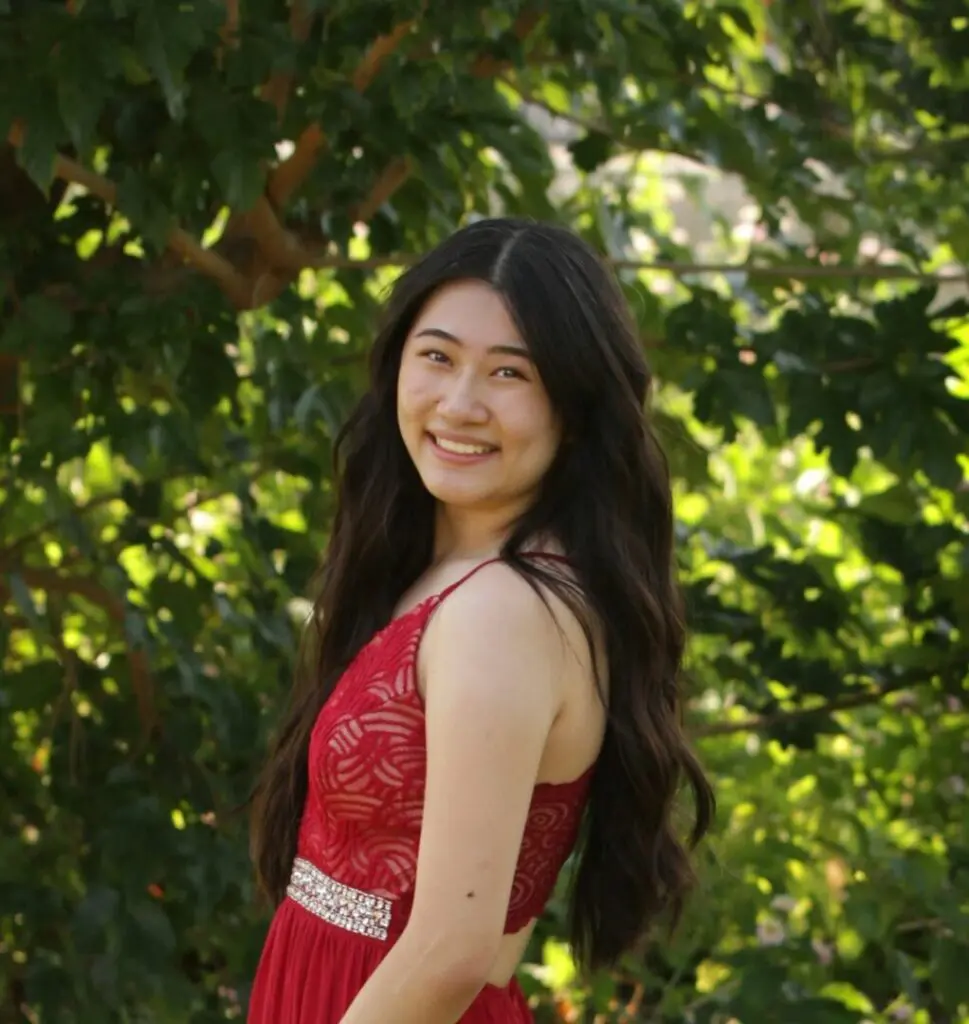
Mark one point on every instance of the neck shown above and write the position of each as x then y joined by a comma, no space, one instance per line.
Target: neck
464,534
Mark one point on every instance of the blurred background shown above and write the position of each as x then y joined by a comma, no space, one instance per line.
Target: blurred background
201,204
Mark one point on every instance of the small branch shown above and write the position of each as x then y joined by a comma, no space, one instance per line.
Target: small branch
833,128
761,723
279,247
233,284
229,33
526,96
97,184
179,241
487,66
295,169
230,29
277,90
795,272
381,49
927,924
391,178
849,365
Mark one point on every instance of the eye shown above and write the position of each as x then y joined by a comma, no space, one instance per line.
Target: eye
510,373
435,355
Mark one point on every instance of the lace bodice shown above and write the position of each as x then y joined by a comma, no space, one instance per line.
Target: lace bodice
367,760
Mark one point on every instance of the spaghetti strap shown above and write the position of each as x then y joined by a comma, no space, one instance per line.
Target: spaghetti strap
490,561
454,586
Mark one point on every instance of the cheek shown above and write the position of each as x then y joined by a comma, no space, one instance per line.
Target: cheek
536,426
413,396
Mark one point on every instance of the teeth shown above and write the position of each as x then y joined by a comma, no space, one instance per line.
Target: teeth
462,449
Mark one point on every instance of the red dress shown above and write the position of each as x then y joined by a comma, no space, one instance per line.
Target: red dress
352,885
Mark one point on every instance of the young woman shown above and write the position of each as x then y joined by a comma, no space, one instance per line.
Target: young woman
493,663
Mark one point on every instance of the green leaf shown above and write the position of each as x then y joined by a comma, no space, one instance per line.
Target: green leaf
949,976
24,600
158,38
153,923
170,470
897,504
38,152
94,912
242,180
740,18
145,209
592,150
820,1011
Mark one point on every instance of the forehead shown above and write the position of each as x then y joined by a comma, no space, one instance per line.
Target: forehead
472,311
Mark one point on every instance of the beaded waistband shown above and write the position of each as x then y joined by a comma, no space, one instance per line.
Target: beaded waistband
336,903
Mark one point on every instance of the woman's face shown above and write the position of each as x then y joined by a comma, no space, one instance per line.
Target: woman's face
472,410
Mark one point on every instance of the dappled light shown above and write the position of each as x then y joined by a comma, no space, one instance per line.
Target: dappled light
201,205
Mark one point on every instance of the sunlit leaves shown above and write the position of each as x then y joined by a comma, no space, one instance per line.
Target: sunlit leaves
166,482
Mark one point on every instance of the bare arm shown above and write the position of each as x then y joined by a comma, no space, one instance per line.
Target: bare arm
492,658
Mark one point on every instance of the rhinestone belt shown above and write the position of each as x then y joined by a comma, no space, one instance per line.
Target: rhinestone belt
338,904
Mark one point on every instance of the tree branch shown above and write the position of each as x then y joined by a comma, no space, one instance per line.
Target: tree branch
233,284
229,33
487,66
398,171
279,248
391,178
836,129
230,30
761,723
381,49
277,90
849,365
295,169
793,271
71,171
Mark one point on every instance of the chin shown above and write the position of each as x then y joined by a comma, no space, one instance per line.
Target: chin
457,496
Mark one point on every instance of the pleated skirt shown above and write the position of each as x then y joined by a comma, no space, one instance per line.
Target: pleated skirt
310,972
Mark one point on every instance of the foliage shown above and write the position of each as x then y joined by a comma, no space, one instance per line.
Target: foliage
199,209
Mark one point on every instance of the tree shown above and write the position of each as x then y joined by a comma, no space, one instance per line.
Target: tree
201,203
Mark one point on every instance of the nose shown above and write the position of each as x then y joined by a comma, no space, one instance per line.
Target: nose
459,401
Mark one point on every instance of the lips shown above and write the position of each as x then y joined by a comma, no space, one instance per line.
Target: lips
461,446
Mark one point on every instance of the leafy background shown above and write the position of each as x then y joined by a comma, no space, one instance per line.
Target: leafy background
201,204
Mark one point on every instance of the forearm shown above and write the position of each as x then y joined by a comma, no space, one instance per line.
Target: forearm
413,986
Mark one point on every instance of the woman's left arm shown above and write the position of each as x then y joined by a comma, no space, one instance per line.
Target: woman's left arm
491,657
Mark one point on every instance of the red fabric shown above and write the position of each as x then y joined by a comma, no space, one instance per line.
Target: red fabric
361,825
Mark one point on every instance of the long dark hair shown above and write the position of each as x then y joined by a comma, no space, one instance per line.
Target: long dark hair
606,499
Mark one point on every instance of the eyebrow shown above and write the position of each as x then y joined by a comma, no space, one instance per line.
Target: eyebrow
504,350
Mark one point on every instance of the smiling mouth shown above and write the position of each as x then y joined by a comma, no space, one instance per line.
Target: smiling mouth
459,448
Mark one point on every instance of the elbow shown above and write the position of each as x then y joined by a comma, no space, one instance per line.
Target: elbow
456,968
466,972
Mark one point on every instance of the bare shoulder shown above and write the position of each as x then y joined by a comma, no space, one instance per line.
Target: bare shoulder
498,634
490,666
498,607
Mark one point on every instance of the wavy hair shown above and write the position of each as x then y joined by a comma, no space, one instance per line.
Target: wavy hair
606,499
